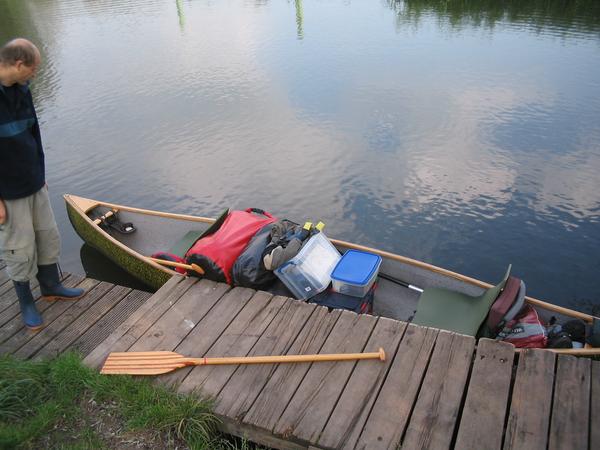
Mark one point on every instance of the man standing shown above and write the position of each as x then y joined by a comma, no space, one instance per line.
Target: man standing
29,239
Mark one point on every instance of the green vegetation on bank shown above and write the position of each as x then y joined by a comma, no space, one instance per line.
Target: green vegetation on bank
61,403
562,15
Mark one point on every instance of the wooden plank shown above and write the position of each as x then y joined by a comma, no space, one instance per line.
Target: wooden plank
482,421
59,315
237,340
7,297
283,383
257,435
206,333
168,332
569,426
240,392
436,411
83,322
595,406
98,331
3,275
391,411
322,386
11,319
530,408
149,311
5,289
352,410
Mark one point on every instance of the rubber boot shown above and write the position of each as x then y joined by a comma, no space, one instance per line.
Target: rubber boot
51,287
31,316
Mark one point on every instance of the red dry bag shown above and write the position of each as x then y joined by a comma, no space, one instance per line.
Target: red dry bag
525,330
217,252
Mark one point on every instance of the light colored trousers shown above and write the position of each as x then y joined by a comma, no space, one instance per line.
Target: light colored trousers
29,236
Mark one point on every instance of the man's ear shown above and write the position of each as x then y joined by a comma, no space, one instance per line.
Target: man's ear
19,64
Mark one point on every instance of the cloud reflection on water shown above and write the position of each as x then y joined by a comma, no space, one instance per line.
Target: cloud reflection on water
461,137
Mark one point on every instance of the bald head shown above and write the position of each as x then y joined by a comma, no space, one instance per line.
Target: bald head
19,50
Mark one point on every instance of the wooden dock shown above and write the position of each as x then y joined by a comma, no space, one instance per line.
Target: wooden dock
436,390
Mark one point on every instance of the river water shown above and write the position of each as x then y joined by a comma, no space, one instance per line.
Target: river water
464,134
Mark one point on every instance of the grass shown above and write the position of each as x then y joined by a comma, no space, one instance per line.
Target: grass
61,403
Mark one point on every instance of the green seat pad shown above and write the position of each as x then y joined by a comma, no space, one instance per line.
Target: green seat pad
449,310
181,247
454,311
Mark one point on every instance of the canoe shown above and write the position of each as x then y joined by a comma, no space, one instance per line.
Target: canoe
158,231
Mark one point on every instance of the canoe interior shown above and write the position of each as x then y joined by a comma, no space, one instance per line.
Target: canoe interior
156,234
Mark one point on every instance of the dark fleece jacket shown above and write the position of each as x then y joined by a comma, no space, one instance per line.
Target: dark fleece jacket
22,170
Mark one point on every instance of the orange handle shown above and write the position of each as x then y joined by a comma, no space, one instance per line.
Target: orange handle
194,267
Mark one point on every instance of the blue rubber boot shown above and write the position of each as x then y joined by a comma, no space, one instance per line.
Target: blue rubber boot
31,316
51,287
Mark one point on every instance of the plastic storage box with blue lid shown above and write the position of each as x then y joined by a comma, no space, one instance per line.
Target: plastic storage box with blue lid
309,272
355,273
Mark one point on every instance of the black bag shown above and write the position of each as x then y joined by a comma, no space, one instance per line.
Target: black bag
279,241
249,268
335,300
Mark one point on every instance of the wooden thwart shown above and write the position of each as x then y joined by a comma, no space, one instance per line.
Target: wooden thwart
110,213
159,362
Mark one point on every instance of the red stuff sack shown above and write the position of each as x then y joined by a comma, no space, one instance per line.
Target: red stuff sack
525,330
217,252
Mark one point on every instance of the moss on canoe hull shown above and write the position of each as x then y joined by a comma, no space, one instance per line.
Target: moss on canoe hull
144,272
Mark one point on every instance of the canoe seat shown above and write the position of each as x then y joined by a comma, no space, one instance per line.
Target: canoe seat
181,247
453,311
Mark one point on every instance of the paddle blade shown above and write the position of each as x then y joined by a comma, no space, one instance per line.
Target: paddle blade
143,363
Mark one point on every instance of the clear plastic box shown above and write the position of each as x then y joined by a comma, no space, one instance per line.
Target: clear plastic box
355,273
309,272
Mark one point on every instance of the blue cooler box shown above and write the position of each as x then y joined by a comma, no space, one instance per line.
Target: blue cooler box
355,273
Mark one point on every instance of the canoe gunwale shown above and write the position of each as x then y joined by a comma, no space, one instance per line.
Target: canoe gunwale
89,204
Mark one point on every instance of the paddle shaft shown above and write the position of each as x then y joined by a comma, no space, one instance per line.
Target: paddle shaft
285,358
568,351
192,267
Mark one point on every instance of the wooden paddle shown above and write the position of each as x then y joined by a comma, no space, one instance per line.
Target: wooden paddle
156,363
195,267
587,351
